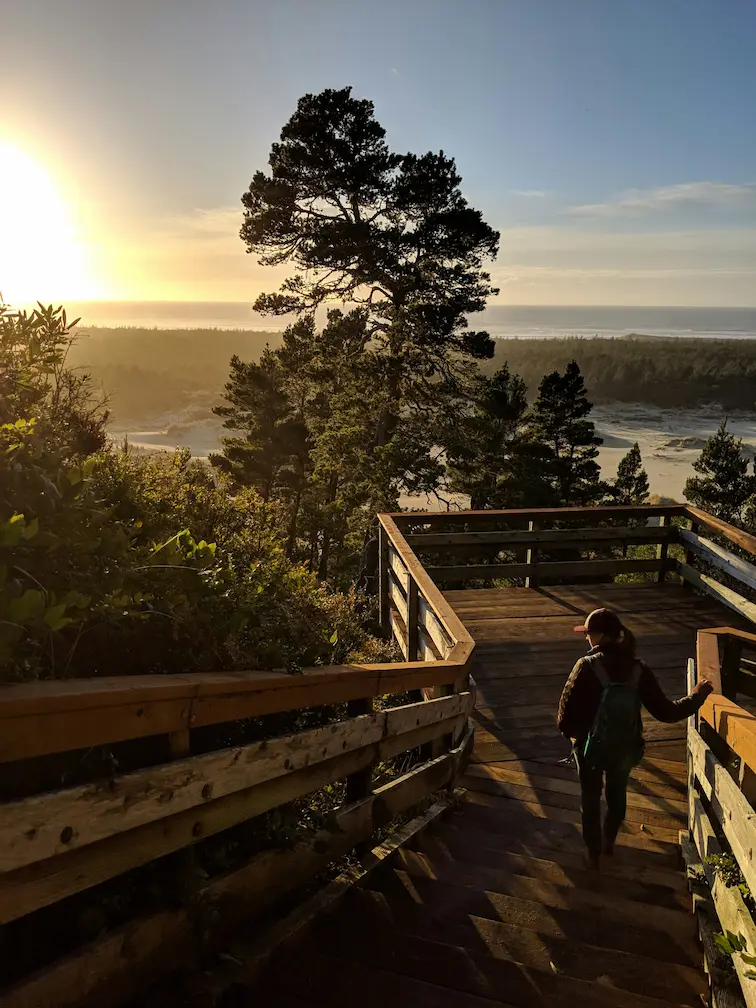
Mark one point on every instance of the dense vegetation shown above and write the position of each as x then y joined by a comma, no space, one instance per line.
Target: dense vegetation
152,559
660,372
150,374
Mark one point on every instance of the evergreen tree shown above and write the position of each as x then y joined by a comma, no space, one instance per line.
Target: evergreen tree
631,485
559,419
392,232
724,485
304,420
490,455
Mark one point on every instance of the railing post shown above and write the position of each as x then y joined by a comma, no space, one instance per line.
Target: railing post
531,559
413,631
662,550
690,556
730,667
186,875
383,581
359,785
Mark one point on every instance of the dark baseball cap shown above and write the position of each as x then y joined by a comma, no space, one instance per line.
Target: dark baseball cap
601,621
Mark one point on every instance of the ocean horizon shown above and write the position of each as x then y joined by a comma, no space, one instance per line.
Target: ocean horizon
501,321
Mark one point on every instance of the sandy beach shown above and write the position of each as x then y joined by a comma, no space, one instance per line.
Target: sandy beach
670,441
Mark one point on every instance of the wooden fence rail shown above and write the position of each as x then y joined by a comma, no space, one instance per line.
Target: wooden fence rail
484,535
168,790
57,842
720,808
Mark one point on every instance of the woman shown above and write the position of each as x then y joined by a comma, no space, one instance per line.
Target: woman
610,661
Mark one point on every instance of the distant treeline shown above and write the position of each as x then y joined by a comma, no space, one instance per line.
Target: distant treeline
151,371
663,372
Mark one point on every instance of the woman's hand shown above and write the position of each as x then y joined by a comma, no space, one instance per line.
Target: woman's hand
704,686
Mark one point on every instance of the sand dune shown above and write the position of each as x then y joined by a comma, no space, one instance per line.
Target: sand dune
670,441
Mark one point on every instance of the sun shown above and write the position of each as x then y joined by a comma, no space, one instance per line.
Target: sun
42,257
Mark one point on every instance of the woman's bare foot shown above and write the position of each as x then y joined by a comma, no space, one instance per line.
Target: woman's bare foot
593,861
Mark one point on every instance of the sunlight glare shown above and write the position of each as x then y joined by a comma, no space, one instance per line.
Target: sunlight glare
41,254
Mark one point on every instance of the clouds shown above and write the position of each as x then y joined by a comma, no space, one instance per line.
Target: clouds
602,257
686,196
581,265
531,193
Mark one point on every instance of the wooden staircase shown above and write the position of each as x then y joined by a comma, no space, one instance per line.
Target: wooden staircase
494,903
477,893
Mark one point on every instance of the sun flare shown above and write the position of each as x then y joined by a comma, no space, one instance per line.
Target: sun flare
42,256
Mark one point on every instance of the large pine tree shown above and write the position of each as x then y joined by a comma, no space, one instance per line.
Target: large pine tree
724,485
560,420
361,224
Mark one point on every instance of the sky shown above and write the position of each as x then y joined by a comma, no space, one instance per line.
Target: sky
611,142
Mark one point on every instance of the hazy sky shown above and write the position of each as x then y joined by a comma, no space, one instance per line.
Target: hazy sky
612,142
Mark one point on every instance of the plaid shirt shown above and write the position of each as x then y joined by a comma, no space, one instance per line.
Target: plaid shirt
582,692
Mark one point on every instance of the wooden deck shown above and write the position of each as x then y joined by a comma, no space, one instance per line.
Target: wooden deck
495,904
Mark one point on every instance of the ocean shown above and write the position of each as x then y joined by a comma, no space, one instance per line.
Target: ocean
501,321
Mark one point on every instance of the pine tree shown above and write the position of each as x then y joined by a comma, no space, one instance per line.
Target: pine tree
724,486
490,455
274,435
361,224
631,485
560,420
303,423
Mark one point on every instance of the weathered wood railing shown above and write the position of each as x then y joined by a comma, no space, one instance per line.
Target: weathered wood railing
101,778
535,536
58,842
722,821
530,541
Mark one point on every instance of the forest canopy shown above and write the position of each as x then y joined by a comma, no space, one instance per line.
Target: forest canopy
151,372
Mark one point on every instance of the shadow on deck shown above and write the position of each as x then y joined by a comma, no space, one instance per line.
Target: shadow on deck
494,904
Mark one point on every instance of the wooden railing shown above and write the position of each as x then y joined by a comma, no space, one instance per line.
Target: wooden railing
722,820
531,537
530,540
101,778
173,782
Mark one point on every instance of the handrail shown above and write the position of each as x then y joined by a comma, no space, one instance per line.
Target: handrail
609,511
718,796
462,643
59,841
718,653
743,539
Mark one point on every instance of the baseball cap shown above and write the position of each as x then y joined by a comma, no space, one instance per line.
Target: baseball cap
601,621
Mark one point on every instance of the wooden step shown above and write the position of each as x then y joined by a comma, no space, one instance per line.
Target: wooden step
659,812
666,935
564,845
521,833
326,981
369,919
651,771
470,973
646,793
565,893
484,867
505,807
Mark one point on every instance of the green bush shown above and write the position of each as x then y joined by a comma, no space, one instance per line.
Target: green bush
116,564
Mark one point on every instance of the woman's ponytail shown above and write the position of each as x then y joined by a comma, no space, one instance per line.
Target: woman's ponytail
626,643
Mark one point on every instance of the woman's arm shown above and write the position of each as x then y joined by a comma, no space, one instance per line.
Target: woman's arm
572,703
661,707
